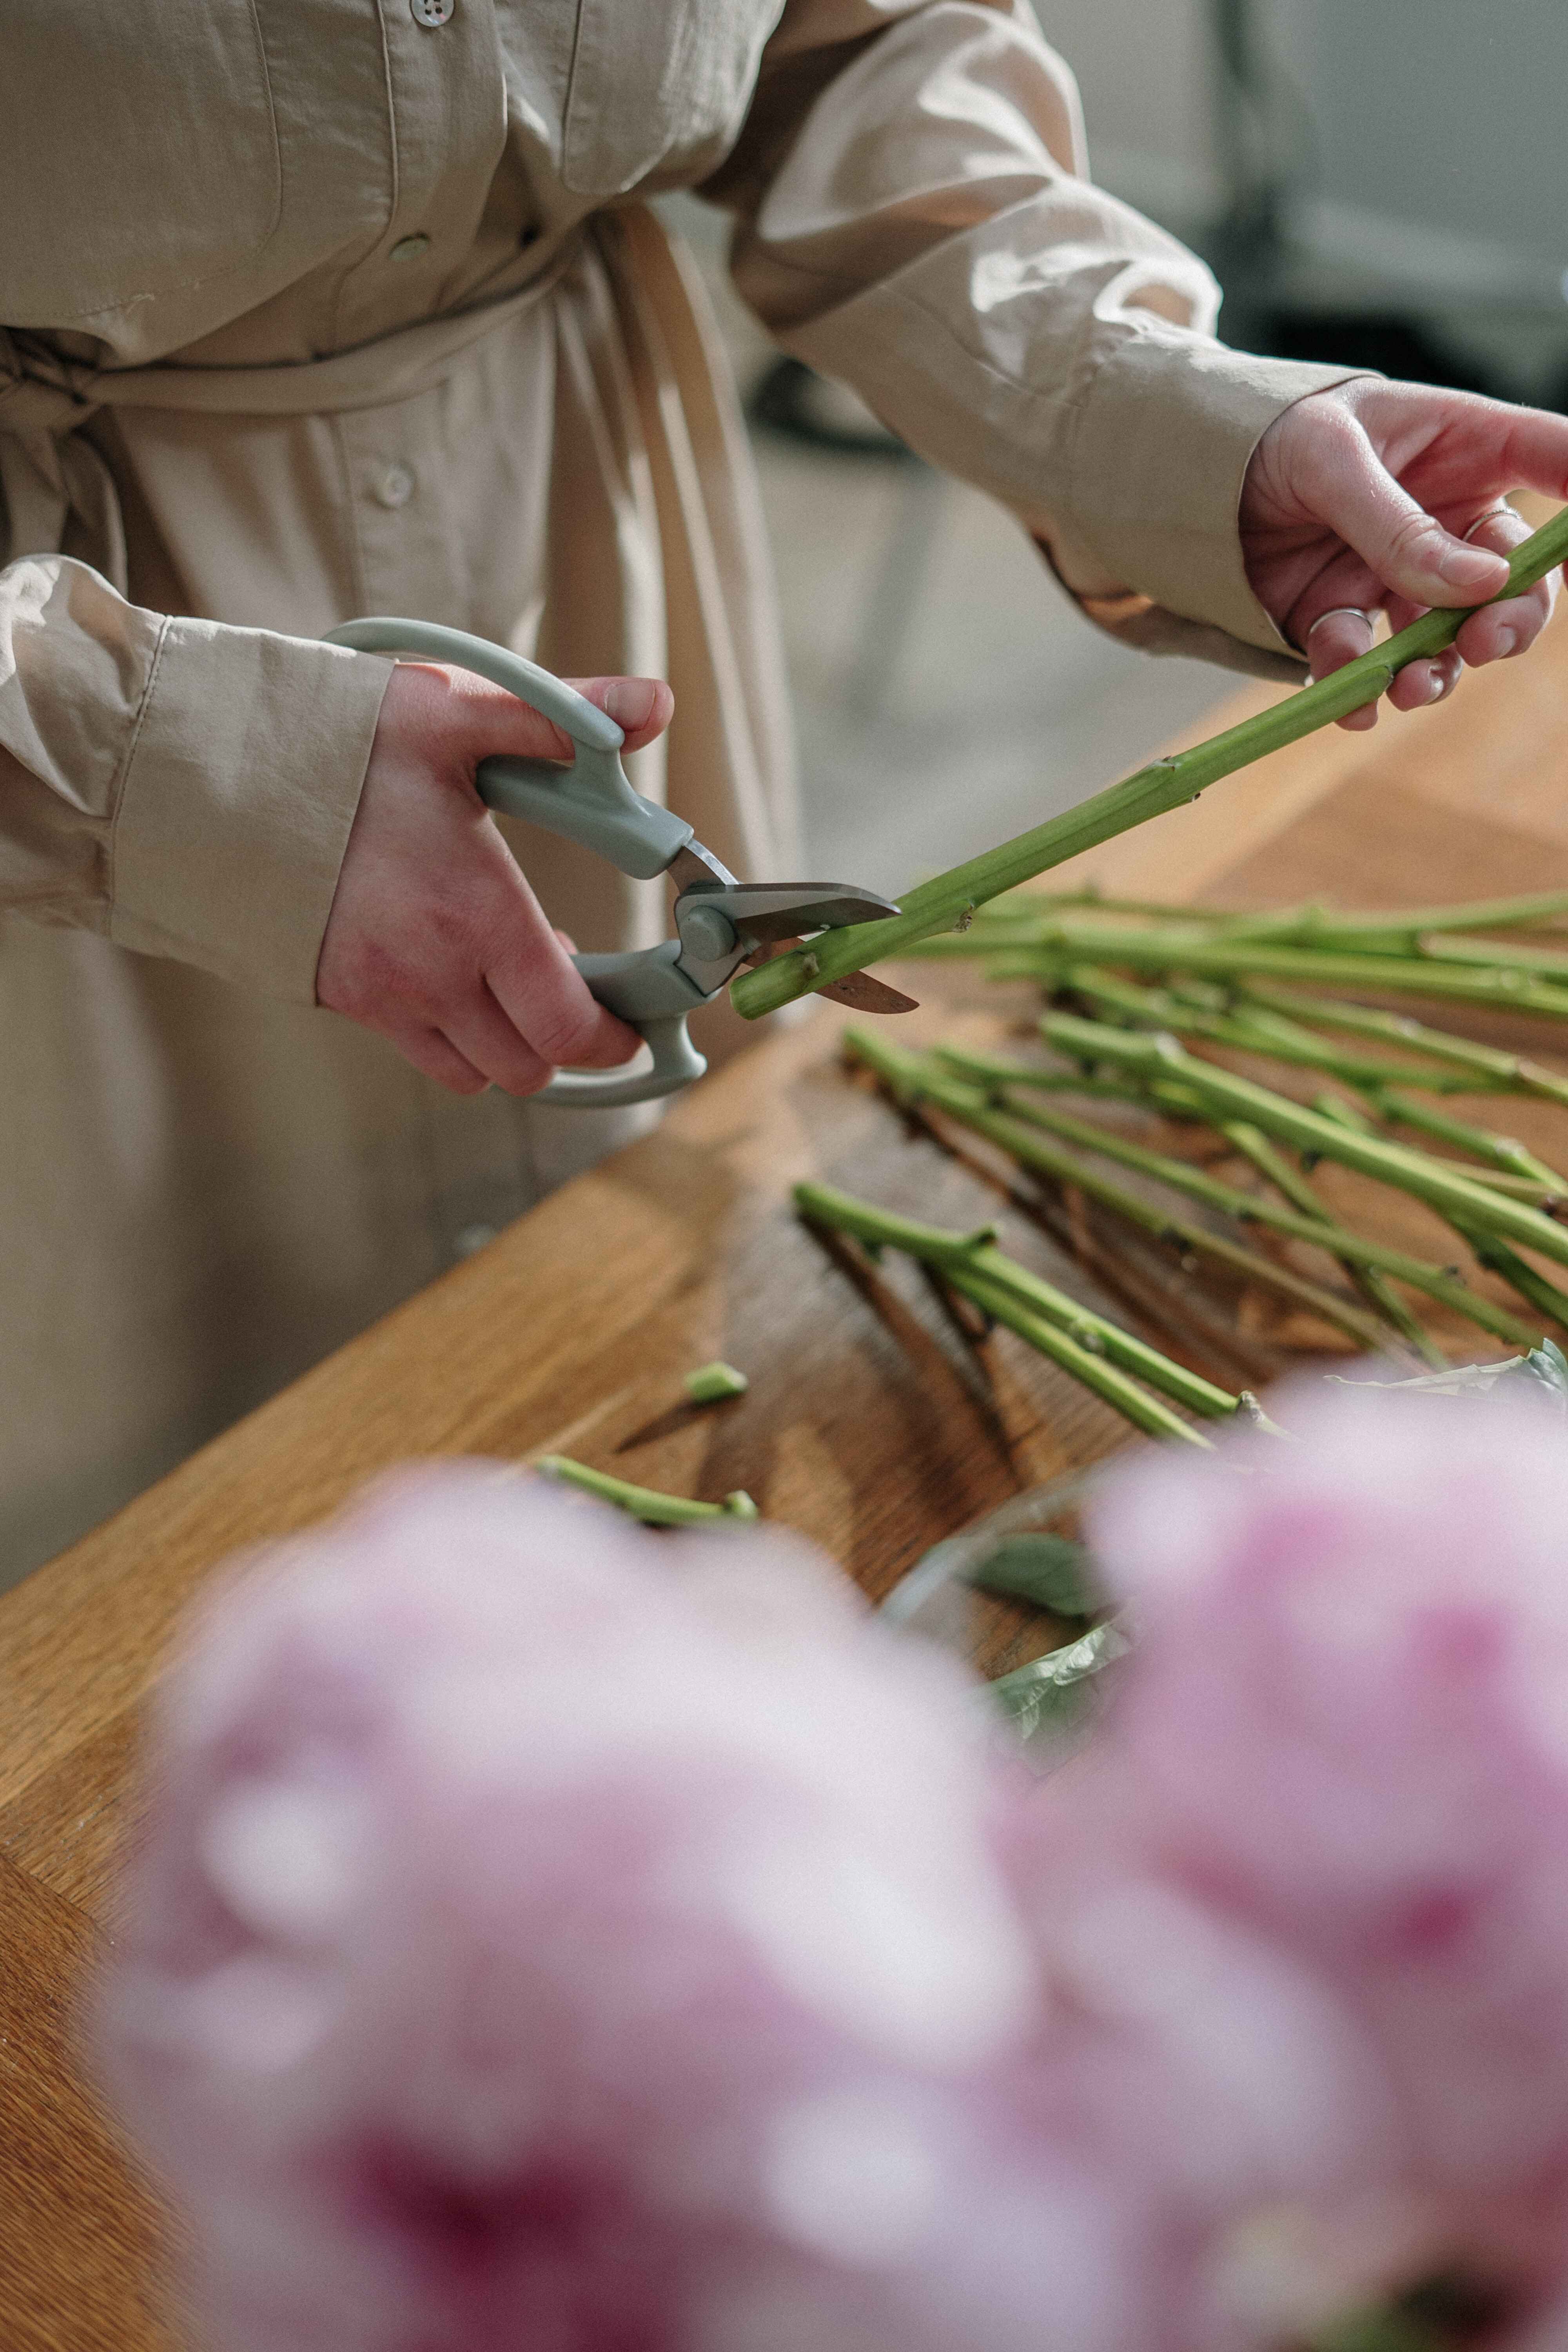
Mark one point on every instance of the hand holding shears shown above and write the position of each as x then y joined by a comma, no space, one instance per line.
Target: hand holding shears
720,924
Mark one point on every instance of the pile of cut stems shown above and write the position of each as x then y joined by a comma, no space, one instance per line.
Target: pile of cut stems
1135,1378
1140,1001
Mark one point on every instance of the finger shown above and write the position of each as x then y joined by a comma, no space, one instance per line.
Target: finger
1512,625
482,1034
1475,447
484,720
1337,637
643,706
1533,452
1340,636
433,1053
1347,487
545,996
1423,682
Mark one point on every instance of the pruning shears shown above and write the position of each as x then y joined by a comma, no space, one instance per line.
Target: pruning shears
720,923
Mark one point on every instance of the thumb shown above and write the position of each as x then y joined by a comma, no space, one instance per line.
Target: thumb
1406,548
642,707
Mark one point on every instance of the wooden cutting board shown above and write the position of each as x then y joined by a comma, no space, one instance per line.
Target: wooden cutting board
871,1422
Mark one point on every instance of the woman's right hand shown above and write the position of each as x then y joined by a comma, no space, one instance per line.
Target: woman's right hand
435,939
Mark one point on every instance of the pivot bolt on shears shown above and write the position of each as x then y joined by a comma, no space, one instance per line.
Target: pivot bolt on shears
720,924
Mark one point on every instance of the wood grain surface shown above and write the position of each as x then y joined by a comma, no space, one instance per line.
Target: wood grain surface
871,1422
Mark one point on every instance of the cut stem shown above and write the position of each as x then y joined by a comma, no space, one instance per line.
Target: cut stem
1247,1208
645,1503
977,1255
1433,1180
1509,1071
913,1080
1498,1153
1296,1189
1270,1035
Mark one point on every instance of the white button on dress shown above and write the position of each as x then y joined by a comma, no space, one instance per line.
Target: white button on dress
395,486
432,12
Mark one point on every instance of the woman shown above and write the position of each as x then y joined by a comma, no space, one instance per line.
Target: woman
314,308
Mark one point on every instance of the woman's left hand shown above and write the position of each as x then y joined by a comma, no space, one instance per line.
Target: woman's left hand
1390,496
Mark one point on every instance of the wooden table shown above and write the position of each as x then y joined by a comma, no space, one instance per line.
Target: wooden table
869,1424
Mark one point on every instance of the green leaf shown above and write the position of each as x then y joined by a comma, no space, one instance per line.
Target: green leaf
1052,1572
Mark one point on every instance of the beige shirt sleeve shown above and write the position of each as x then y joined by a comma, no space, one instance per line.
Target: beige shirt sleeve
179,787
916,219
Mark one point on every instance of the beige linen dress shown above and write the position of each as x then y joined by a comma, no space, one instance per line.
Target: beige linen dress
316,307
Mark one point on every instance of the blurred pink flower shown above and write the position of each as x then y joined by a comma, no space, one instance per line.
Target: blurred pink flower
555,1937
1343,1741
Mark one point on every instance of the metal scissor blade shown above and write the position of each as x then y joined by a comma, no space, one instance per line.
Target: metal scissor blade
864,994
724,925
858,990
782,910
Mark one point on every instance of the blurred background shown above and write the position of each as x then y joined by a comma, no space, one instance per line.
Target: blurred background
1379,184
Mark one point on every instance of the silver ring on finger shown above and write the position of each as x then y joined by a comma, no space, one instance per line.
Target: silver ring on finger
1333,612
1492,514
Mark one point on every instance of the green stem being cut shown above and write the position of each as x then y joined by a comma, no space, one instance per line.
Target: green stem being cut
645,1503
1165,785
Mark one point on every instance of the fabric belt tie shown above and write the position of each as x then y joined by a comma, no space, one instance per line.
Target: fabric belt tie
52,479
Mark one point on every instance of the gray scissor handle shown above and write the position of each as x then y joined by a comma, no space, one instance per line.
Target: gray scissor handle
644,988
592,802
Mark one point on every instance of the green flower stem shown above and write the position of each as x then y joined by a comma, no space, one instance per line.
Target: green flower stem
913,1080
1310,924
1433,1180
1543,1295
1247,1208
1240,960
1498,1151
993,1069
936,905
1507,1072
1094,1372
976,1254
645,1503
1489,1249
1501,955
1296,1189
1268,1034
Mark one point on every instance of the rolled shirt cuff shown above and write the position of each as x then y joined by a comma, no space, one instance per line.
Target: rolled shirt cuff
241,786
1165,439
